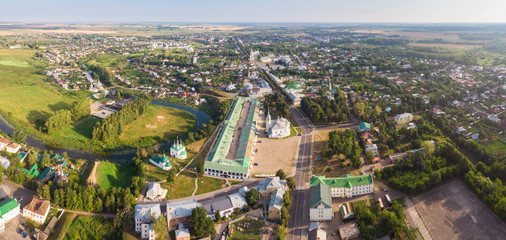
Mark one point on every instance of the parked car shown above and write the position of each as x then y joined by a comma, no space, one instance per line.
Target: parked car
255,164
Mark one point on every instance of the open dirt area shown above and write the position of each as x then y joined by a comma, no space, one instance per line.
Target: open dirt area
454,212
92,179
273,154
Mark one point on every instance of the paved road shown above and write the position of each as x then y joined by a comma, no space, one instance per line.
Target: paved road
299,220
413,213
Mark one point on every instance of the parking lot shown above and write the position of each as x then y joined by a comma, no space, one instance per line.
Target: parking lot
454,212
7,190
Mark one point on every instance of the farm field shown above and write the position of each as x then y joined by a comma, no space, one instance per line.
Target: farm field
444,45
113,175
159,121
23,92
87,227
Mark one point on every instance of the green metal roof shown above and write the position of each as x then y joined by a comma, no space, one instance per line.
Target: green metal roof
320,193
346,181
32,171
161,159
59,157
7,206
364,125
217,159
44,173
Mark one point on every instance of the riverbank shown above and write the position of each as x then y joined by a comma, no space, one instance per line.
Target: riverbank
123,155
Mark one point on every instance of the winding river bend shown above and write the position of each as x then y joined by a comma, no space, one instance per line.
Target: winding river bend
122,156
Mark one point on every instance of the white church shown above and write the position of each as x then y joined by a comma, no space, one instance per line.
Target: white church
279,128
178,150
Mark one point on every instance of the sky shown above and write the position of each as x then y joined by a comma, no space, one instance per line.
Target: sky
227,11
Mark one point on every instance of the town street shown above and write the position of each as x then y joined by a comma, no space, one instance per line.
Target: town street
299,213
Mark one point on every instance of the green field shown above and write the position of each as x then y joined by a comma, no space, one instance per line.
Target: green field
113,175
81,130
23,93
247,229
497,146
209,184
183,186
160,121
62,226
87,227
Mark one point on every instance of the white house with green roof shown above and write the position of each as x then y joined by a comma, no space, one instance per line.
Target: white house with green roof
347,186
161,162
9,209
232,152
178,150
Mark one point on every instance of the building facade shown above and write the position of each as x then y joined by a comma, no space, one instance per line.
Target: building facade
347,186
142,216
279,128
178,150
9,209
37,210
180,213
320,203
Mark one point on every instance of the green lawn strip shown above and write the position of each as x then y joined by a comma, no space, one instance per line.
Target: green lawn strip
183,186
82,130
209,184
113,175
62,226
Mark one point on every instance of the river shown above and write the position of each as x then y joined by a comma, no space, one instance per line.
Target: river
122,156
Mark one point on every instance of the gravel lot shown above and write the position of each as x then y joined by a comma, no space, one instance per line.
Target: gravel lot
452,211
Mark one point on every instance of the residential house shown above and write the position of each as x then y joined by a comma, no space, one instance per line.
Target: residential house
142,216
3,143
222,204
364,127
182,233
269,185
33,171
276,204
180,212
320,203
46,174
155,191
316,232
161,162
37,210
372,148
12,147
401,119
9,209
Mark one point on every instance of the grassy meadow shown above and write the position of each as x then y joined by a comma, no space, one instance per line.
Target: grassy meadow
159,121
23,92
113,175
87,227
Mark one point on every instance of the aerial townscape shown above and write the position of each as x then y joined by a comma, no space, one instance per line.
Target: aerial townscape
239,124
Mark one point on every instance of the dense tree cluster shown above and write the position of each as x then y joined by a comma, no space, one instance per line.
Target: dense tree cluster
493,193
201,225
58,121
275,103
343,142
113,125
374,223
323,109
100,72
80,109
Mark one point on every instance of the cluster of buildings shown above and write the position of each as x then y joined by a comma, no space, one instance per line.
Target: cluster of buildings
177,150
37,210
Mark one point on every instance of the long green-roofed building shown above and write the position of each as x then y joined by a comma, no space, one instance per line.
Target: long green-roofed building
347,186
232,152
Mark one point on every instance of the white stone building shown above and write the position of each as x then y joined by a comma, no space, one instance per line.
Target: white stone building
143,213
279,128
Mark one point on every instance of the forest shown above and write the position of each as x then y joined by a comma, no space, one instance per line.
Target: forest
343,142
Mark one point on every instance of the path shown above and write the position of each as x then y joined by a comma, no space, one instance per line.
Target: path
411,209
104,215
196,186
92,179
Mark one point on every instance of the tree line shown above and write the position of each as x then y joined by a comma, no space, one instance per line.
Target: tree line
276,103
113,125
62,118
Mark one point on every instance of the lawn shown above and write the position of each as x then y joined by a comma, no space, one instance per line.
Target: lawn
87,227
81,130
160,121
113,175
209,184
183,186
23,92
497,146
247,229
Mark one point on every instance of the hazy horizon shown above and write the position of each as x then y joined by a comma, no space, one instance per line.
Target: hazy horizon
260,11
